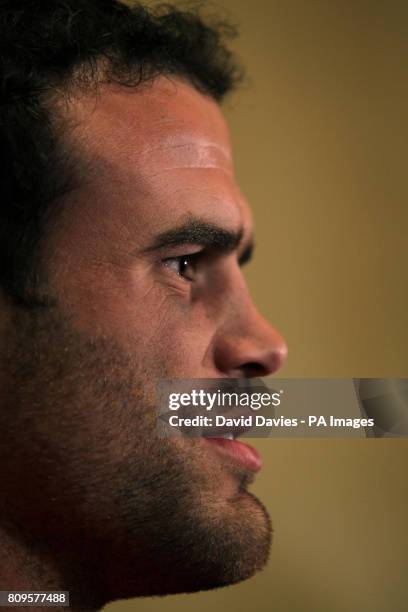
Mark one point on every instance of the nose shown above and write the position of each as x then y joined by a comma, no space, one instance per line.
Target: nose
247,345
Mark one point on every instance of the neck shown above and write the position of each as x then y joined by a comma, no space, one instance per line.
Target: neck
24,569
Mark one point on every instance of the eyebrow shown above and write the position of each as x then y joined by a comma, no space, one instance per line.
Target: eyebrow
204,234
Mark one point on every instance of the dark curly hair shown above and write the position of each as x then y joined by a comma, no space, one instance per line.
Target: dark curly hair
50,47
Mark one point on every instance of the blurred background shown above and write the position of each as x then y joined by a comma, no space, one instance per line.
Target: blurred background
321,149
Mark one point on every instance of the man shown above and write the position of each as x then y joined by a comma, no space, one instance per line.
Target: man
122,236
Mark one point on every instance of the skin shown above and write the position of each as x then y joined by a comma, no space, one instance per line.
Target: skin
93,501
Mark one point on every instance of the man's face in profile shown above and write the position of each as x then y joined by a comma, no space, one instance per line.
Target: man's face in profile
144,263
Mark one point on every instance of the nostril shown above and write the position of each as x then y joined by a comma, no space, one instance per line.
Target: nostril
267,363
252,369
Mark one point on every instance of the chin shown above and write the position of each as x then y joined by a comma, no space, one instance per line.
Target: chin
216,555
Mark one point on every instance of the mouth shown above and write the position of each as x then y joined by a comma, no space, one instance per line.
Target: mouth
224,441
223,424
242,454
226,444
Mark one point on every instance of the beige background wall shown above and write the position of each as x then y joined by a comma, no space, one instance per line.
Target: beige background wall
321,145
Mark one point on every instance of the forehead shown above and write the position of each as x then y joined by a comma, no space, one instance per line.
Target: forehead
162,141
164,122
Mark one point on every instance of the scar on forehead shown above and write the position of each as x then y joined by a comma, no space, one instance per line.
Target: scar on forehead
179,153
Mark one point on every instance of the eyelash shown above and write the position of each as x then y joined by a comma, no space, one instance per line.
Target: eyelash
193,259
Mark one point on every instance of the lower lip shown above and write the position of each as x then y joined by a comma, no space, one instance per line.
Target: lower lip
239,452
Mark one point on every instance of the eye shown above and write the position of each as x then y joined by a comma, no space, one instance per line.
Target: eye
184,265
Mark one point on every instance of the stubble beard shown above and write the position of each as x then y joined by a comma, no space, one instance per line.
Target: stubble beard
123,512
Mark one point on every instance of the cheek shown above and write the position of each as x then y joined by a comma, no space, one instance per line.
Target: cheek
160,324
180,339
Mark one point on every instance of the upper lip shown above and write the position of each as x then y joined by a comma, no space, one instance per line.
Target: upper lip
236,429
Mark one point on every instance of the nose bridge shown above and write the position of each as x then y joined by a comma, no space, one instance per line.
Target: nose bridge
247,343
258,331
